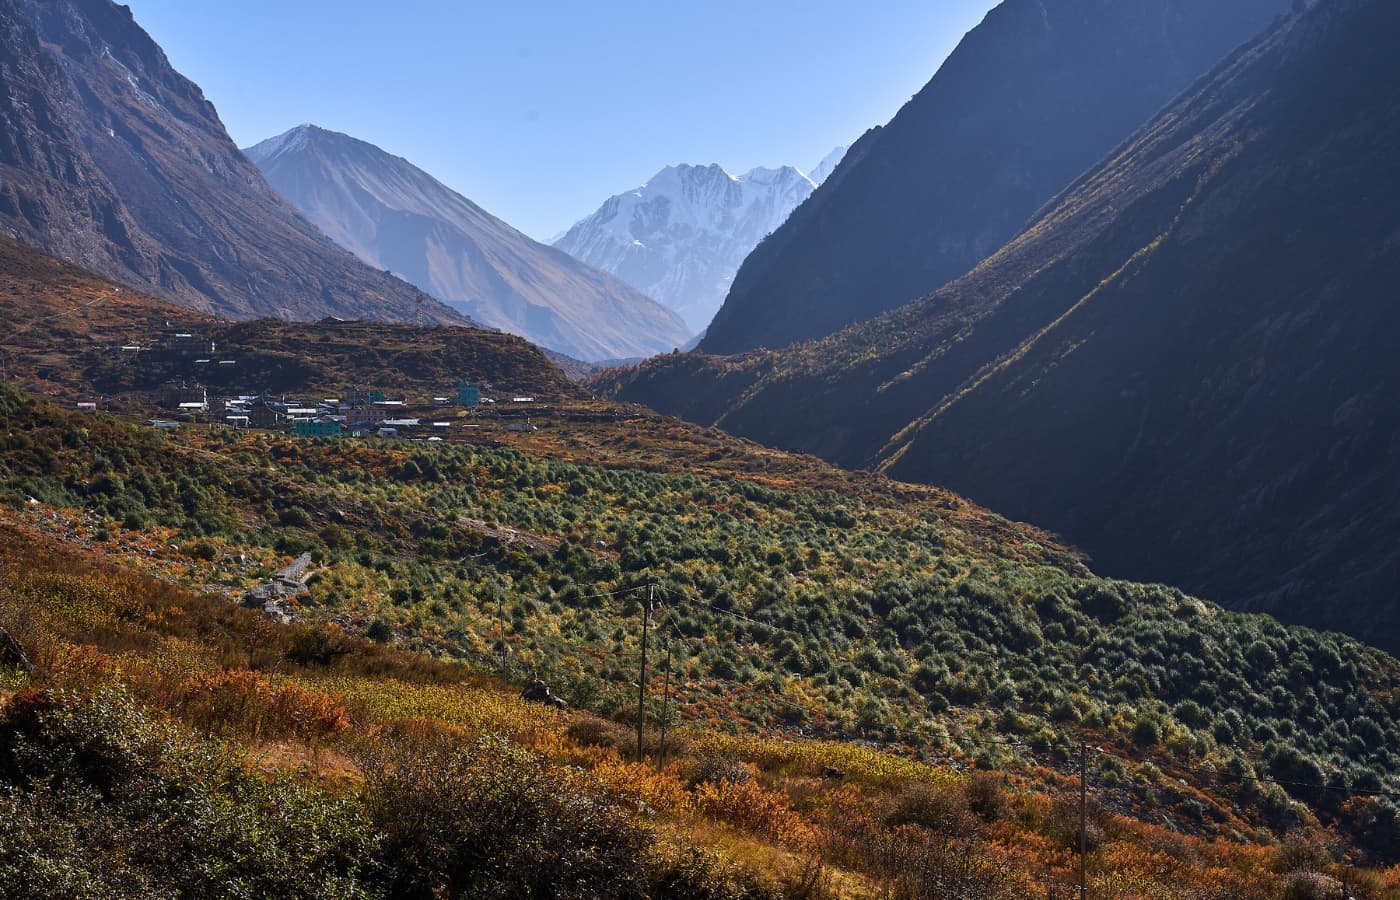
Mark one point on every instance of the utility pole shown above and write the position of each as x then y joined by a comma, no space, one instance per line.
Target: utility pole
1083,820
642,679
665,709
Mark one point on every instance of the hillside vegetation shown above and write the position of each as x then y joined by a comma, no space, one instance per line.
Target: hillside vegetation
854,609
68,328
163,744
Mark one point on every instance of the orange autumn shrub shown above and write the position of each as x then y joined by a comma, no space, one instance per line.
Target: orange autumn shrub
239,700
640,787
310,715
82,666
232,700
755,809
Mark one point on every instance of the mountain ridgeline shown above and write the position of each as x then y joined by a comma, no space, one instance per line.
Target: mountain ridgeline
395,216
50,349
112,159
1032,97
1184,365
682,236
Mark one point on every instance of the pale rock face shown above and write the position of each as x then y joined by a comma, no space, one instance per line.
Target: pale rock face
681,237
397,217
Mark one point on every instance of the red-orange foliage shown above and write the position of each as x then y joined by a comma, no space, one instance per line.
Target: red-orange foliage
246,701
753,808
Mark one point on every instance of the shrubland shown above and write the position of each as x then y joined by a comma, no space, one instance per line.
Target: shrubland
945,664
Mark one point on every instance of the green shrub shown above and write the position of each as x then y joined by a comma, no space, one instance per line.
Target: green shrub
491,820
97,799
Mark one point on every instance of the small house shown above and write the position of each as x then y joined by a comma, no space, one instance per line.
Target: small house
319,429
263,415
181,395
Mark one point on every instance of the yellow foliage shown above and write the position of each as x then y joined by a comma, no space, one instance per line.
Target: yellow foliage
750,807
641,787
82,666
811,757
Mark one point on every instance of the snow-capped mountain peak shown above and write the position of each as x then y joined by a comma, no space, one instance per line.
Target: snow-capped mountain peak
395,216
681,236
287,142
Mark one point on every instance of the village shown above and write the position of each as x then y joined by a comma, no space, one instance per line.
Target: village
357,414
187,380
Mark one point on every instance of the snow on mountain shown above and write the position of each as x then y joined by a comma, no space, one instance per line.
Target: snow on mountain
823,169
681,237
397,217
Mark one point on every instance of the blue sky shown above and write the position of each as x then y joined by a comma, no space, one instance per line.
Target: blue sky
540,109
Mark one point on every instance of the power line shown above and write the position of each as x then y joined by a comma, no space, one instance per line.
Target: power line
1217,775
618,592
779,700
642,674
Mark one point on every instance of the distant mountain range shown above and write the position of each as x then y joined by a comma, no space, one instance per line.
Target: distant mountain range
397,217
681,237
1031,98
111,158
1185,364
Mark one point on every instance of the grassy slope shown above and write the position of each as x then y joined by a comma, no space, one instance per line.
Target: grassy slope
167,742
798,601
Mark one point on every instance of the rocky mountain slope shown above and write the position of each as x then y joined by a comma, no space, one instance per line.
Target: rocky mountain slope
1224,409
1184,365
111,158
681,237
1032,97
395,216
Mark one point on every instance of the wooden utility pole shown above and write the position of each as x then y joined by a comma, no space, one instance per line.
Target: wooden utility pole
642,678
1083,821
665,709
